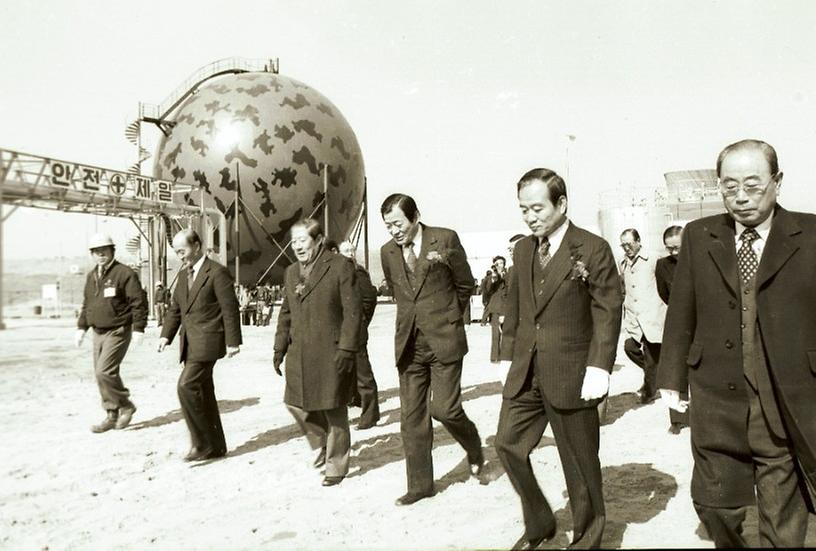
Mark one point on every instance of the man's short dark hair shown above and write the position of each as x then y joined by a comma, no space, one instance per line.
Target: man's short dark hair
633,232
556,186
191,236
495,258
743,145
331,245
312,226
405,203
672,231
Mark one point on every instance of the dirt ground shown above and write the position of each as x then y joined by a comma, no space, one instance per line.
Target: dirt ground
66,488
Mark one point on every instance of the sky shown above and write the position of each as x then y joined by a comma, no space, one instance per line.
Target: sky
451,101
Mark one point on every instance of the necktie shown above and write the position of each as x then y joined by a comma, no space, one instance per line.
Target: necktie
190,277
410,257
746,256
544,252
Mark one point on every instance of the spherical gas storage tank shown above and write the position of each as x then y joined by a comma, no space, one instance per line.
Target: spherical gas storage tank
272,135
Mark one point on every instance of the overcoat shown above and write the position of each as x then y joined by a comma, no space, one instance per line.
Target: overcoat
318,316
702,350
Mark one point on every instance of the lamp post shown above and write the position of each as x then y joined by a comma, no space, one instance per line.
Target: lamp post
570,138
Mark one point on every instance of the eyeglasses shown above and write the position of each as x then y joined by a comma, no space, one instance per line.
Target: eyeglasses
627,246
672,249
751,187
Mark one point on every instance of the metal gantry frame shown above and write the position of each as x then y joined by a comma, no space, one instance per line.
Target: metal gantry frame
42,182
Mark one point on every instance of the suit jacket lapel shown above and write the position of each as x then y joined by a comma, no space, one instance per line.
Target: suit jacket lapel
201,277
318,271
398,265
723,251
780,246
558,269
423,265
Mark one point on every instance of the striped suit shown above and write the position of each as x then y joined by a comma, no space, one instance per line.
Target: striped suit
560,319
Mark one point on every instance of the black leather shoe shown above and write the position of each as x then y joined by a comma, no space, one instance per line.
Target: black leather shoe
198,454
332,480
125,415
523,543
411,498
320,459
366,426
108,423
646,398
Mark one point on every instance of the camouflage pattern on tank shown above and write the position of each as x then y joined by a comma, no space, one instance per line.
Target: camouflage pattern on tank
277,134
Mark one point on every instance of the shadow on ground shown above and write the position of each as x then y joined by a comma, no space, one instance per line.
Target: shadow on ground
634,493
224,406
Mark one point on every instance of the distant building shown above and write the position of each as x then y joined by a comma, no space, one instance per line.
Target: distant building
686,195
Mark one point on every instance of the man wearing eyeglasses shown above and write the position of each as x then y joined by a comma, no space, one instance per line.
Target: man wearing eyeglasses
741,332
643,311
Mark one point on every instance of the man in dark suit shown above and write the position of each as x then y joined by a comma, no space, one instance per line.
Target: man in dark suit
560,332
365,390
427,269
318,333
741,332
204,306
494,309
664,277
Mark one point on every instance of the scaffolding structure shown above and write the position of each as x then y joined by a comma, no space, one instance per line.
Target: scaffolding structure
34,181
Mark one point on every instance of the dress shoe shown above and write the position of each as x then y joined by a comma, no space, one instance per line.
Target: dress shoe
675,428
108,423
366,426
332,480
320,459
125,415
199,454
646,398
411,498
524,544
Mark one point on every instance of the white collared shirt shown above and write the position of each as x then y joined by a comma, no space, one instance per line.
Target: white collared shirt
197,266
557,236
763,229
417,241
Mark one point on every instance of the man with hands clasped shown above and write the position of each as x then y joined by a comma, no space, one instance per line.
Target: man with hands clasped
318,334
561,328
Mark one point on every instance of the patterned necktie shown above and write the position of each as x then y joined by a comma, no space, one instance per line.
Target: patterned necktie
410,257
544,252
190,278
746,256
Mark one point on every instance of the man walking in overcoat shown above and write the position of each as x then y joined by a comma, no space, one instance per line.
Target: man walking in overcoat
741,333
318,334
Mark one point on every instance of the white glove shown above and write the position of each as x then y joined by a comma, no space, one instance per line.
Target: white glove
162,344
137,338
596,383
501,320
671,398
79,336
232,351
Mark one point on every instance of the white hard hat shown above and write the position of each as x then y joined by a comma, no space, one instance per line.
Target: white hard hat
100,240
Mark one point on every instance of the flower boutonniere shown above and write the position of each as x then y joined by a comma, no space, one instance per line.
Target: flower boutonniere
579,269
435,257
300,287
